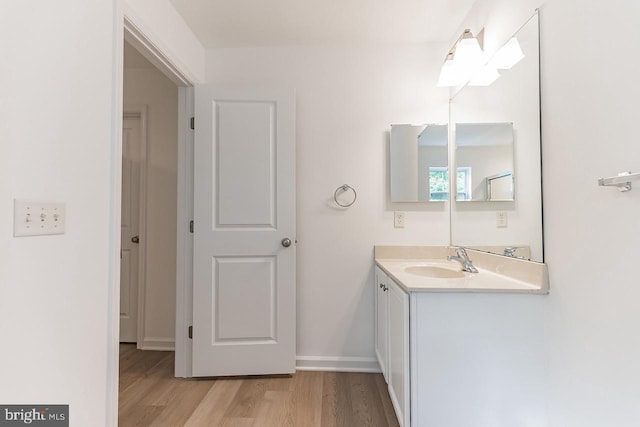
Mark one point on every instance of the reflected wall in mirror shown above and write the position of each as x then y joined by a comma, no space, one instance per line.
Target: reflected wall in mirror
513,103
418,159
484,162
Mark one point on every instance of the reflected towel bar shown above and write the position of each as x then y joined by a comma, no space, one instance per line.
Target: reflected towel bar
622,181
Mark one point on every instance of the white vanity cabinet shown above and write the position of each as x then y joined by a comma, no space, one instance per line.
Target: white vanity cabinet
461,359
399,377
382,322
392,342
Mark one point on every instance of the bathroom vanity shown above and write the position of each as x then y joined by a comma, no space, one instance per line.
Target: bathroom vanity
460,349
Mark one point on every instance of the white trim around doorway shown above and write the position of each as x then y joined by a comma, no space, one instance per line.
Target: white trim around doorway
125,29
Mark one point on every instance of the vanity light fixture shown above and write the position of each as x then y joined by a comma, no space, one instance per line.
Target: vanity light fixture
462,61
485,76
508,55
449,73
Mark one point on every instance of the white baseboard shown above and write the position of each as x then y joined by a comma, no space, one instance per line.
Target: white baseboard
337,364
157,344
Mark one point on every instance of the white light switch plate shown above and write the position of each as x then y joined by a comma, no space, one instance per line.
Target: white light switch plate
38,218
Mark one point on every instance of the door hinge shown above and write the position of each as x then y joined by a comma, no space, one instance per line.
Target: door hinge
192,123
191,226
191,332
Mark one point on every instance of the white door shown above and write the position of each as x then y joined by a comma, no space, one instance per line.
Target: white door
131,163
244,317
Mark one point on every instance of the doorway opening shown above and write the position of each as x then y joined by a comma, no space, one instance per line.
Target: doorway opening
149,205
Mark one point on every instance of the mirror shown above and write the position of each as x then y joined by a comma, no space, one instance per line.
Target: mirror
497,158
418,162
484,162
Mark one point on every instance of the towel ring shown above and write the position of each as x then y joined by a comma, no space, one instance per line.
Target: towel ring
345,188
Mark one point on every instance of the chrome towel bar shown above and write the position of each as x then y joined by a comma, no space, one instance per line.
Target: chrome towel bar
622,181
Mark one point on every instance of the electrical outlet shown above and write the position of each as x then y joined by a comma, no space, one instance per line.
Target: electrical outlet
38,218
501,219
398,219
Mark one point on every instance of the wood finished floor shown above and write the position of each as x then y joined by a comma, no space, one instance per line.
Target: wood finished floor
151,396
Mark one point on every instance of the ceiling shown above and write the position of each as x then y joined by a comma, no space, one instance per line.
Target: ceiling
263,23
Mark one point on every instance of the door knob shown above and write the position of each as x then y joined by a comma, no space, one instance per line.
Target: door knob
286,242
135,239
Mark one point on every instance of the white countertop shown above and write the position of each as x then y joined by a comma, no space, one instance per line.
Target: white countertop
485,280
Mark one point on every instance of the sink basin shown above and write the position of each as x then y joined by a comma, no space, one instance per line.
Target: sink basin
434,271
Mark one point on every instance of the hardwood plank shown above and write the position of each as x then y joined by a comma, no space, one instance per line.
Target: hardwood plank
126,350
141,415
236,422
274,409
214,405
344,408
183,403
246,403
139,389
387,406
365,400
152,396
144,367
307,398
329,400
279,383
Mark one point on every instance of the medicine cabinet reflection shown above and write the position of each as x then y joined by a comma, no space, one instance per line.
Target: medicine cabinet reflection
418,157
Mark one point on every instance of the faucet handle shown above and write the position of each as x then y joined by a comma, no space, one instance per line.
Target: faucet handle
462,253
510,251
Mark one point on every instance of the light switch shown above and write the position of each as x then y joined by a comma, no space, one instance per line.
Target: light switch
38,218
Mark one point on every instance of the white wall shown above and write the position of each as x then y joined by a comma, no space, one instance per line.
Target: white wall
346,100
589,114
148,86
57,86
60,110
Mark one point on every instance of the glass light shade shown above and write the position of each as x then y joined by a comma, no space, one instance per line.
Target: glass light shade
468,53
508,55
450,75
484,76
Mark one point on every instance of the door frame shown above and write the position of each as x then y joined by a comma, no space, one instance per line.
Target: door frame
126,29
132,111
184,250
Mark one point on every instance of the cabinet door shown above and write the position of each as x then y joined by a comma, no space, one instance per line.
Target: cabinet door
382,322
399,352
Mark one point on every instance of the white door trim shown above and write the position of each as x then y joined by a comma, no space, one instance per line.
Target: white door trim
184,251
125,29
150,50
140,112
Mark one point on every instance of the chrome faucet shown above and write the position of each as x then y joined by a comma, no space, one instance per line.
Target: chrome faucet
510,251
463,259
